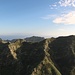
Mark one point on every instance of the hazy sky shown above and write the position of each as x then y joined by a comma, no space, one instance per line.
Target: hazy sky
37,17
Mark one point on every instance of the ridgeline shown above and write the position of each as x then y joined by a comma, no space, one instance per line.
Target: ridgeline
54,56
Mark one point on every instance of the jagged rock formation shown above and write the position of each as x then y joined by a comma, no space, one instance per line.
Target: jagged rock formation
48,57
46,66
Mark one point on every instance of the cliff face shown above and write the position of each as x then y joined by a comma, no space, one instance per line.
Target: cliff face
48,57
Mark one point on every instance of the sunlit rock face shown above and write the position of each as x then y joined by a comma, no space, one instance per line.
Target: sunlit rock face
54,56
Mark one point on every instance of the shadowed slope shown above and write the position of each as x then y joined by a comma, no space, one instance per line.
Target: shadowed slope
48,57
63,53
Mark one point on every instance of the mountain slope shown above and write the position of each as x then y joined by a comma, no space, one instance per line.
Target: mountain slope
63,53
24,58
54,56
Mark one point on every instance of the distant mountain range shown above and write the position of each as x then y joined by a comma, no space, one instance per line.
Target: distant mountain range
53,56
34,39
28,39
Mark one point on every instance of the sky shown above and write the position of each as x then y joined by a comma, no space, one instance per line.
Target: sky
46,18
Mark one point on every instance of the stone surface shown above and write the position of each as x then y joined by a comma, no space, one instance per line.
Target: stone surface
54,56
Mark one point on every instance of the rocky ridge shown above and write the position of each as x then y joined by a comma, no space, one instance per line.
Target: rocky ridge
54,56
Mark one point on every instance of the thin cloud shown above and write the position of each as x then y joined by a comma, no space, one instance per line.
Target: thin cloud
63,3
68,18
54,6
61,29
66,3
48,17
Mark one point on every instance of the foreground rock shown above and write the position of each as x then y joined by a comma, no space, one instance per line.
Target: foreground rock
63,54
48,57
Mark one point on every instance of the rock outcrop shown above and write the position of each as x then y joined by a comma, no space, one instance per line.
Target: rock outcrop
54,56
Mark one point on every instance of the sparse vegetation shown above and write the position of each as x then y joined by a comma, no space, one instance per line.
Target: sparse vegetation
54,56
